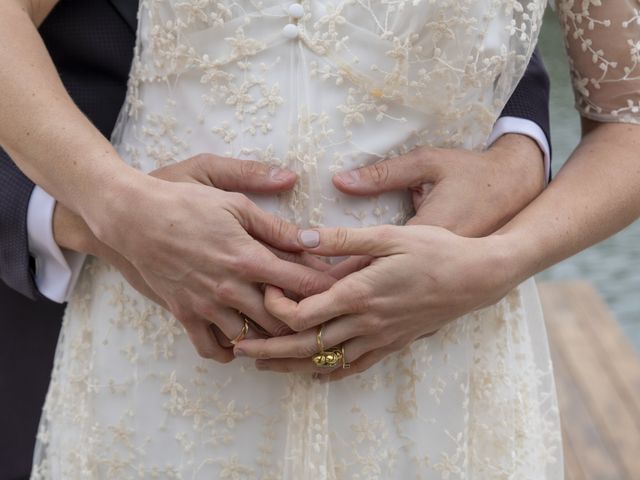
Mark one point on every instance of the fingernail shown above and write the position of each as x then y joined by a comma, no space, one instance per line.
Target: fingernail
278,174
350,177
239,353
309,238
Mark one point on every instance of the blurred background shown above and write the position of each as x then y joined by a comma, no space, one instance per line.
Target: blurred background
613,266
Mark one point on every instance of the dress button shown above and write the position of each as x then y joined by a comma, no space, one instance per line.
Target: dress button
291,31
296,10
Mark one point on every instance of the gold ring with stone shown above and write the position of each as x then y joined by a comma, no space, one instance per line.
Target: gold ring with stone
328,358
243,332
345,364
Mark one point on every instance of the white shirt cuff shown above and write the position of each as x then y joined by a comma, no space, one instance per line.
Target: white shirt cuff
526,127
56,270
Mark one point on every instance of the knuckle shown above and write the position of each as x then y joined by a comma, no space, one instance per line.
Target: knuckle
225,292
298,321
372,324
249,168
280,330
305,350
380,173
308,284
342,238
205,351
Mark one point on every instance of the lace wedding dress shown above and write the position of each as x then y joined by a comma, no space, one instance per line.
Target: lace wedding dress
320,87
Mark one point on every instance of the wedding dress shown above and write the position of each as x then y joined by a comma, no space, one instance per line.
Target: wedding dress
318,87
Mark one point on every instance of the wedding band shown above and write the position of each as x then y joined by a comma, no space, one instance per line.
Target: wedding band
243,332
319,339
328,358
345,364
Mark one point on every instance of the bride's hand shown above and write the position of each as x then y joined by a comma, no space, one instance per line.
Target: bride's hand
192,254
421,278
469,193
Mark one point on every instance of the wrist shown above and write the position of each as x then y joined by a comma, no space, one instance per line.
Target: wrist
513,256
71,232
520,157
115,201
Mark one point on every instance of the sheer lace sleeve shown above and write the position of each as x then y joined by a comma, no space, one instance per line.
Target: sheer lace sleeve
603,43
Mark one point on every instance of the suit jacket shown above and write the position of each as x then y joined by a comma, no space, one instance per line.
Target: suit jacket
91,43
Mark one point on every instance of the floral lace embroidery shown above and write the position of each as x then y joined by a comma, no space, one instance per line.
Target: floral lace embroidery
365,79
603,42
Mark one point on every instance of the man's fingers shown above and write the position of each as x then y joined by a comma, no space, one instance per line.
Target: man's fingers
311,311
267,228
411,170
337,242
292,277
353,350
251,303
242,175
205,341
303,344
301,258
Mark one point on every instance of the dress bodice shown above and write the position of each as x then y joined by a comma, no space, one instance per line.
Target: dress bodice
322,86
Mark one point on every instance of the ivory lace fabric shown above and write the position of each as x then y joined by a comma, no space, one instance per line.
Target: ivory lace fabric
349,83
603,43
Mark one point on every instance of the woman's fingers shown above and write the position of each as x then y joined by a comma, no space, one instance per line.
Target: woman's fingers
337,242
353,350
311,311
304,344
299,279
349,266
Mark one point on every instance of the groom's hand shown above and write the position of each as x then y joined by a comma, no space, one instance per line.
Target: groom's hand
471,194
203,265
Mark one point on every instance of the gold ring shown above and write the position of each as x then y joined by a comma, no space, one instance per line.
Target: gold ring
319,338
345,364
243,332
328,358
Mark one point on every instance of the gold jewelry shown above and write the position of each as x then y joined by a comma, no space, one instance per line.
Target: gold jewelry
319,338
345,364
328,358
243,332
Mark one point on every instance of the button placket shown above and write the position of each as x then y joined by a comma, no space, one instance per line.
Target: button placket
291,30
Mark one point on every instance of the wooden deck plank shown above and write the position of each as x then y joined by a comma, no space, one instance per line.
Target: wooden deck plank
596,372
616,352
585,449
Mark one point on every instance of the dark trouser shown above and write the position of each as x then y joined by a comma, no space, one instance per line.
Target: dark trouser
28,335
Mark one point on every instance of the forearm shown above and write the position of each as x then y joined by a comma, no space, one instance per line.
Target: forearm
596,194
41,128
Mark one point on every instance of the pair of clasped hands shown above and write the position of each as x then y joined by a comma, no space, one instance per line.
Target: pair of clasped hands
400,283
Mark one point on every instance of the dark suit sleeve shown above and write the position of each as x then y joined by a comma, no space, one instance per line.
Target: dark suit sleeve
15,193
530,100
92,47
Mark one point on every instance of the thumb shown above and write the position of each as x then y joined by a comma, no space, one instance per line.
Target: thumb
400,173
242,175
375,241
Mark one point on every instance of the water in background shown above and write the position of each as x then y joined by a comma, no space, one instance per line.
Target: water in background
613,265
